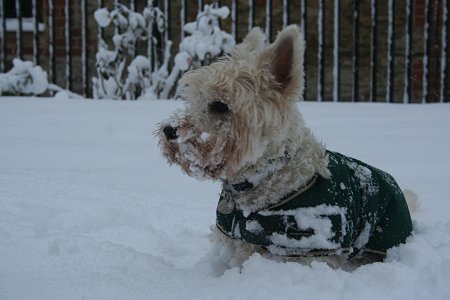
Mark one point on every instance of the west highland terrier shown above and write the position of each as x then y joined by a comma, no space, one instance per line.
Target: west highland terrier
284,195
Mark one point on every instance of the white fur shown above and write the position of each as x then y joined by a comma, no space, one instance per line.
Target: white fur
260,86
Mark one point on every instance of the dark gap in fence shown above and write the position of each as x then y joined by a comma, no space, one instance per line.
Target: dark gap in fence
3,56
373,52
36,53
68,33
426,56
234,19
435,76
446,56
84,58
355,61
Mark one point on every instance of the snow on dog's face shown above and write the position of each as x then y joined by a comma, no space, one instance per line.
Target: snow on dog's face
238,109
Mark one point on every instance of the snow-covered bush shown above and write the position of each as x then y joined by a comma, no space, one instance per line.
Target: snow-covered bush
121,74
206,41
24,78
204,45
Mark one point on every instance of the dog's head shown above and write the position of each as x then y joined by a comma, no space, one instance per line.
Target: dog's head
239,109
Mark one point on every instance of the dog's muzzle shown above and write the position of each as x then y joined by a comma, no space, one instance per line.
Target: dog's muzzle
170,133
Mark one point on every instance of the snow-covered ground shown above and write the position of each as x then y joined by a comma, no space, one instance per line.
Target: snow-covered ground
90,210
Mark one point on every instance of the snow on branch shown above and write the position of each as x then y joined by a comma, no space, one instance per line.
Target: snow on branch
123,75
206,41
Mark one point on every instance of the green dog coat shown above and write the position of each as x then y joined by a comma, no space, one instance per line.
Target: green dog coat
358,208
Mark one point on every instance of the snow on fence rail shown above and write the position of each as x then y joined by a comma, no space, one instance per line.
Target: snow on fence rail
356,51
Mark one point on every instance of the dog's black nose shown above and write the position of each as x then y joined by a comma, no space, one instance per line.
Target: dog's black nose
170,133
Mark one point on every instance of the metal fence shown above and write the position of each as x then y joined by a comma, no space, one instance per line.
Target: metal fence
389,51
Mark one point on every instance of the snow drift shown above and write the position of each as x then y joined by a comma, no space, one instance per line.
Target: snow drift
90,210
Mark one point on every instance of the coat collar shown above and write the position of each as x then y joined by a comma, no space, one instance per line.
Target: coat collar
247,183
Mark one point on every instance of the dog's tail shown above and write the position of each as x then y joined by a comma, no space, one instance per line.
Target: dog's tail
412,200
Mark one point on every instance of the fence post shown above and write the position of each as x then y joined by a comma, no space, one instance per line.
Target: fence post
336,66
408,39
373,51
182,18
68,34
35,33
268,20
426,52
390,52
234,19
250,14
19,52
320,58
303,28
285,13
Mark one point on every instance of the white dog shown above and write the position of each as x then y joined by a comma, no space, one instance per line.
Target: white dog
284,195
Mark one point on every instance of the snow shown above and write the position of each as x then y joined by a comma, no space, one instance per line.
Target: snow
206,37
143,79
25,78
314,218
89,209
183,61
27,25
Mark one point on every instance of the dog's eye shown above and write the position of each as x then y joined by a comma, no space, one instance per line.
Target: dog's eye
218,107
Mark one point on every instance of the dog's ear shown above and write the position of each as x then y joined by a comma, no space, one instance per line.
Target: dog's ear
255,40
284,61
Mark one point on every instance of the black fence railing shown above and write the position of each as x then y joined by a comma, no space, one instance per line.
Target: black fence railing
389,51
